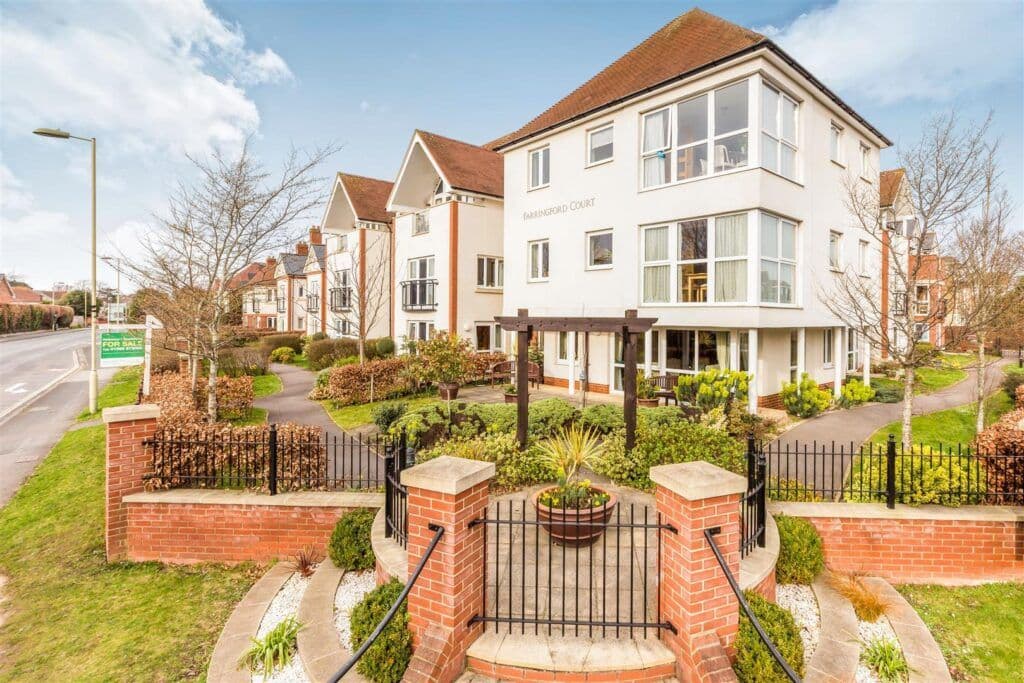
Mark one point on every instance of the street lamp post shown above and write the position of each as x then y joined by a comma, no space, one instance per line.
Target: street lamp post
93,376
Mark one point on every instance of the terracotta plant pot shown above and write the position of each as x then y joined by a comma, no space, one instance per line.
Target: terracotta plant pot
647,402
511,398
449,391
571,527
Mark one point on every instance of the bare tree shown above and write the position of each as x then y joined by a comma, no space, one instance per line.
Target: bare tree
367,298
943,179
235,212
988,257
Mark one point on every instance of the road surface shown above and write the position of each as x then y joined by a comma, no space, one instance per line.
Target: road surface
41,392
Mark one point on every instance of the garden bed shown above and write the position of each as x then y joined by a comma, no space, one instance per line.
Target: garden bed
351,590
284,605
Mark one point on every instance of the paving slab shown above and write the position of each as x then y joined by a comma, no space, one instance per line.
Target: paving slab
838,652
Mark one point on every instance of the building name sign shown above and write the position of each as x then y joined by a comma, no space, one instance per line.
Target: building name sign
567,207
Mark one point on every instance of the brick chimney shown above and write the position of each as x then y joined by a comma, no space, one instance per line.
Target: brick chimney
271,262
315,236
301,248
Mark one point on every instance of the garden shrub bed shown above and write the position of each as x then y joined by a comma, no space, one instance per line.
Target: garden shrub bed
754,663
801,557
349,547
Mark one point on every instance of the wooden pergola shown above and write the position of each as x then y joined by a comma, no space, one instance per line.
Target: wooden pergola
524,325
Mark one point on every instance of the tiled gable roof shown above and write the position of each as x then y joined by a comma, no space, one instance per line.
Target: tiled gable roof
369,197
465,166
293,263
889,186
246,276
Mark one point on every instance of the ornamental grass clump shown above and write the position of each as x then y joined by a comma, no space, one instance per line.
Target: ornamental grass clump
884,657
273,651
567,453
867,603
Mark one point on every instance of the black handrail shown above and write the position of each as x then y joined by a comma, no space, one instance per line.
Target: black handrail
438,533
709,534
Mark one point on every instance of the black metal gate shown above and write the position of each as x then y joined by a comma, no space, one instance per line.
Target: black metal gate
607,589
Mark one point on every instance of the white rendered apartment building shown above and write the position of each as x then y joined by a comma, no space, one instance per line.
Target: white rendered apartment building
448,264
697,179
357,283
291,289
315,272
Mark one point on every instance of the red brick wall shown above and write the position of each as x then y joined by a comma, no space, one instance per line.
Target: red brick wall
564,383
774,401
127,463
185,533
924,550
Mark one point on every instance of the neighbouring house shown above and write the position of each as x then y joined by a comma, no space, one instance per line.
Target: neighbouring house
699,179
315,271
291,289
17,293
360,252
929,268
259,301
449,264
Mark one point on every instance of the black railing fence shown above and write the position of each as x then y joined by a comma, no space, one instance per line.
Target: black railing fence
754,504
273,460
607,589
887,473
396,504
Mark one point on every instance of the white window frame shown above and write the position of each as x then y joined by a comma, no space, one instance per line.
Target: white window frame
672,148
794,355
559,358
588,245
777,136
863,251
540,246
497,264
927,299
828,347
835,256
590,145
414,327
544,169
835,133
865,162
852,350
494,331
779,260
421,222
431,272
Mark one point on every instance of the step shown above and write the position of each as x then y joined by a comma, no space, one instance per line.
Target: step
919,647
838,651
320,647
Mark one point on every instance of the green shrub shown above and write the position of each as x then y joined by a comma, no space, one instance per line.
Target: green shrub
550,415
855,393
662,416
323,353
1012,381
246,360
800,554
603,418
710,389
792,490
274,341
923,477
387,659
385,346
349,546
513,469
754,662
347,360
488,417
282,354
322,378
663,444
272,652
805,399
888,391
385,414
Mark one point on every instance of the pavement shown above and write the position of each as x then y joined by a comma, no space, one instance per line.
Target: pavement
42,389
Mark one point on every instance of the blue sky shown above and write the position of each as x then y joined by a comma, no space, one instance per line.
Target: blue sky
152,82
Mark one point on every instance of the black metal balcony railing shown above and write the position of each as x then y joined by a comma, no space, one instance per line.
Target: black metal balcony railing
282,305
341,298
312,302
419,295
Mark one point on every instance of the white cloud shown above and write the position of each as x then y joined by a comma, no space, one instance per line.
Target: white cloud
896,51
13,195
148,76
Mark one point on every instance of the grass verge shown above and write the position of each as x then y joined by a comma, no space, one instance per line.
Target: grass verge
73,616
980,629
928,380
256,416
350,417
946,427
121,391
266,385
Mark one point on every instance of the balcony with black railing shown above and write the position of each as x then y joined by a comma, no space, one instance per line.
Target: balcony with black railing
341,299
419,295
282,305
312,303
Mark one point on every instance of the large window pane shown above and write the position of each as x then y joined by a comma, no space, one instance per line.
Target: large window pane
788,120
769,281
656,244
788,242
693,282
656,284
769,109
712,350
731,152
657,169
769,235
692,120
601,145
731,108
787,276
693,240
656,131
787,164
692,162
601,249
769,152
731,280
679,350
731,235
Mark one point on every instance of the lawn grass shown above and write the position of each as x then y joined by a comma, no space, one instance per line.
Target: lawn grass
980,629
256,416
73,616
927,380
963,360
946,427
350,417
122,390
265,385
1013,370
301,361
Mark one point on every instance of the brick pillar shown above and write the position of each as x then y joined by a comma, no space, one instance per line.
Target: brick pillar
127,462
450,492
695,595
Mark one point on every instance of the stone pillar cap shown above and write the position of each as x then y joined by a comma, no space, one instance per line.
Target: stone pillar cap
146,411
448,474
698,480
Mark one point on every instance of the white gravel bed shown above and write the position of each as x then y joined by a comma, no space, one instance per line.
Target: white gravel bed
351,589
800,602
868,631
285,604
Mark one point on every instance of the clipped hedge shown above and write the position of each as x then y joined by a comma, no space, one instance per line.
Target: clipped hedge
387,659
275,341
323,353
801,557
754,662
351,384
17,317
350,547
1004,437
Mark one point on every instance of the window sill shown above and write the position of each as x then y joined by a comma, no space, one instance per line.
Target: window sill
539,187
599,163
489,290
697,179
608,267
536,280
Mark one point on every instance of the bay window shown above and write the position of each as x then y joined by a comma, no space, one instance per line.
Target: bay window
778,132
778,260
705,134
420,330
731,258
692,351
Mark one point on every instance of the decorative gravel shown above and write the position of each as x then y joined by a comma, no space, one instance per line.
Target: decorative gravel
800,602
285,604
867,632
351,589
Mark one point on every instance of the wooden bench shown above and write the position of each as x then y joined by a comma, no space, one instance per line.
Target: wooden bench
505,370
666,385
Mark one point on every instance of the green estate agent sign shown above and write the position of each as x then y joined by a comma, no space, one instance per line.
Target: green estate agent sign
120,348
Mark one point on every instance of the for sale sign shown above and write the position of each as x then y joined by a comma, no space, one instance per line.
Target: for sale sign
122,347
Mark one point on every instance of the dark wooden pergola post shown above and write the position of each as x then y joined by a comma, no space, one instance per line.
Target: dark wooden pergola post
522,380
629,381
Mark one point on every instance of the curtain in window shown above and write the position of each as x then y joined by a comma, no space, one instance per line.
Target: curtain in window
656,131
731,241
656,284
731,235
731,280
722,347
656,244
656,169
